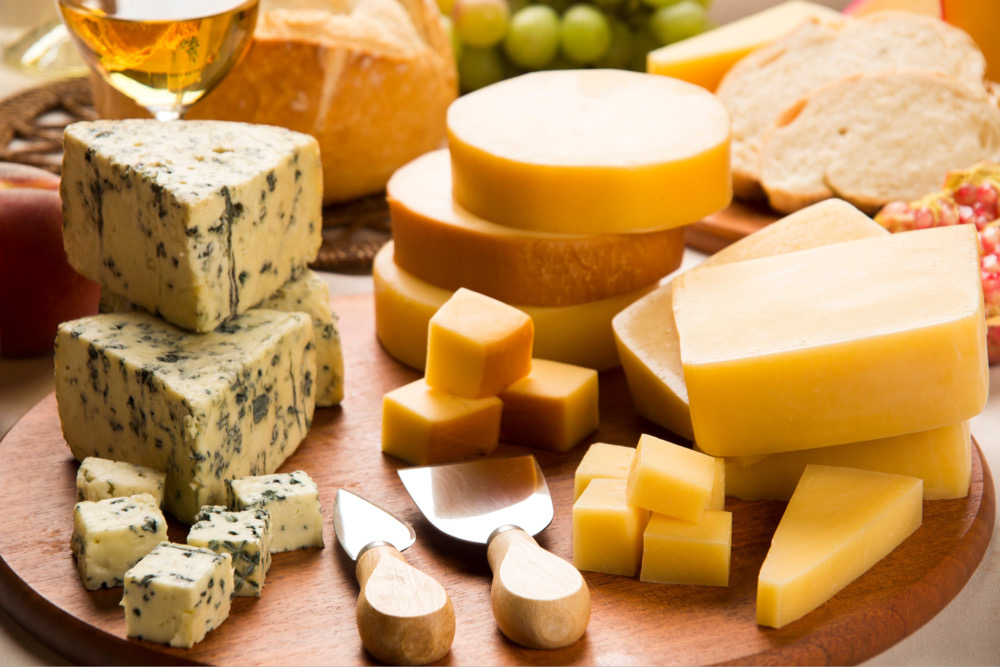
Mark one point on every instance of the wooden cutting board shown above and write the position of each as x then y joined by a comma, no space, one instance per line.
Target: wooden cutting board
716,231
306,615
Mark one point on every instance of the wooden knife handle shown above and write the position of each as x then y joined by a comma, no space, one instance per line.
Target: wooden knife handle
539,599
405,617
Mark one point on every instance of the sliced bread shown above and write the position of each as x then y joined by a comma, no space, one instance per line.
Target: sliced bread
877,137
773,77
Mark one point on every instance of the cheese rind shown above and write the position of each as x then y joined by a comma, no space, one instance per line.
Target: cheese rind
97,479
291,499
684,552
837,525
112,535
177,594
670,479
848,342
245,536
195,221
645,331
579,335
201,407
607,530
441,243
602,461
307,294
545,152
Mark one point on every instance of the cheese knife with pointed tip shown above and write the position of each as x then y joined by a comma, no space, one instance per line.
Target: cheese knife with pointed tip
539,600
405,617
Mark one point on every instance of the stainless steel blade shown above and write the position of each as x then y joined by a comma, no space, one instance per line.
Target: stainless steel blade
359,522
469,500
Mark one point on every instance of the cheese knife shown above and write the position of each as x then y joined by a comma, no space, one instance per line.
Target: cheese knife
405,617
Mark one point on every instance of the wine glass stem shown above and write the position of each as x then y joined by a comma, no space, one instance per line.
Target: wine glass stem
167,115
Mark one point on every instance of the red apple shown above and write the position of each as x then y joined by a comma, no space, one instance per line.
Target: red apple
38,289
862,7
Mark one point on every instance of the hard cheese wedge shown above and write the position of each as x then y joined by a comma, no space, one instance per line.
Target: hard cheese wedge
646,334
705,58
838,524
579,335
443,244
848,342
581,151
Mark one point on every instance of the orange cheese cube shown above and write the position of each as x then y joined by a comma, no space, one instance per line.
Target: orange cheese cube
682,552
477,346
553,407
670,479
602,461
607,530
422,425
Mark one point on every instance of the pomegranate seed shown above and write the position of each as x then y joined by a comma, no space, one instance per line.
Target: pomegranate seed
986,195
948,214
965,215
965,195
989,239
923,218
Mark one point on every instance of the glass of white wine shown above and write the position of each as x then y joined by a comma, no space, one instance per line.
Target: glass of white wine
163,54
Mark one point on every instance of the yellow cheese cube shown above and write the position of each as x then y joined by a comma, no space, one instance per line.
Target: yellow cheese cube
602,461
838,524
670,479
848,342
422,425
607,530
646,334
477,346
941,457
553,407
682,552
705,58
717,500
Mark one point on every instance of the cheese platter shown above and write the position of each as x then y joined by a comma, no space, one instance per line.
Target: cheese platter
307,612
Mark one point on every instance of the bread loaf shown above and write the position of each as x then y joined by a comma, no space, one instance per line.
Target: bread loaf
759,87
370,79
877,137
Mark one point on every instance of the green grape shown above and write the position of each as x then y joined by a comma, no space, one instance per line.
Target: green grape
676,22
480,67
456,43
620,51
657,4
532,40
559,5
643,42
480,23
585,34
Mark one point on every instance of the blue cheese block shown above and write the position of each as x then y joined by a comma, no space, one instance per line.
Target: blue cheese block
177,594
97,479
112,535
292,499
246,536
308,294
201,407
196,221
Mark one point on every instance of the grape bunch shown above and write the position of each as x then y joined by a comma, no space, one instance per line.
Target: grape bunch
497,39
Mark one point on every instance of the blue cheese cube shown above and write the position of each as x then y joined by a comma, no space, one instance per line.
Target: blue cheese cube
177,594
97,479
308,294
246,536
196,221
201,407
112,535
293,501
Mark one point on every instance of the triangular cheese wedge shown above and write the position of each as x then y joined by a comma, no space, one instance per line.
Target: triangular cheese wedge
838,524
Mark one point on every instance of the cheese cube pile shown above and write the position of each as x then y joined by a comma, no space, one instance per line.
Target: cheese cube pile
481,384
542,203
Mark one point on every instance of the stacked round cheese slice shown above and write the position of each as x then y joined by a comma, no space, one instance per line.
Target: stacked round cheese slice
563,194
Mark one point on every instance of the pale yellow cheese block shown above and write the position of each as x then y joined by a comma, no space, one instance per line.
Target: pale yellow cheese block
848,342
477,346
602,461
646,334
579,335
607,530
441,243
705,58
941,457
421,425
590,152
554,407
685,552
837,525
670,479
717,499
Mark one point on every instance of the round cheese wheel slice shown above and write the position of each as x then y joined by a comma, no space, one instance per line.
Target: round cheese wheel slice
580,335
590,152
443,244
